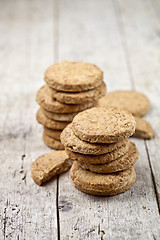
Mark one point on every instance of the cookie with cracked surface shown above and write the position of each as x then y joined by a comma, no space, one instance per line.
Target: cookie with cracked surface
135,102
120,164
52,133
143,129
45,100
61,117
79,97
42,119
73,76
102,184
52,142
103,125
99,159
49,165
73,143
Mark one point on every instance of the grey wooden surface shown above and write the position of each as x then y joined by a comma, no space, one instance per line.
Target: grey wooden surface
123,38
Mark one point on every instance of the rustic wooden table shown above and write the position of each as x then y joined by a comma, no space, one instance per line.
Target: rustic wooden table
123,38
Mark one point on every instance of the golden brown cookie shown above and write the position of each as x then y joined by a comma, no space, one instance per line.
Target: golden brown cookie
103,125
143,129
102,184
99,159
120,164
73,76
48,165
42,119
45,100
68,117
52,133
135,102
52,142
73,143
79,97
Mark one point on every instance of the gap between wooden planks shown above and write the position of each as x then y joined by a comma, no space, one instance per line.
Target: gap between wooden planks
106,44
27,211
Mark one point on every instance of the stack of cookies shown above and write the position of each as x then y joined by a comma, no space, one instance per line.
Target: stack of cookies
97,141
71,87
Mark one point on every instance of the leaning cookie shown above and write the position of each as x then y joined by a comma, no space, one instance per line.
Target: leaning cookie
52,142
103,125
120,164
73,143
48,165
73,76
42,119
61,117
99,159
135,102
79,97
143,129
45,100
102,184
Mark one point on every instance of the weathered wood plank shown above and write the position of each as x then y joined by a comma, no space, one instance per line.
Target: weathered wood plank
144,57
95,37
88,31
27,211
82,27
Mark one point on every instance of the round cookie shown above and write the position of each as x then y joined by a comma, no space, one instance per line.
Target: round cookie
120,164
52,133
52,143
79,97
103,125
73,143
67,117
73,76
102,184
42,119
134,102
45,100
99,159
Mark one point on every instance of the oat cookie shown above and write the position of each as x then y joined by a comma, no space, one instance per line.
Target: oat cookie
42,119
52,142
67,117
143,129
79,97
103,125
135,102
120,164
52,133
73,143
45,100
102,184
48,165
99,159
73,76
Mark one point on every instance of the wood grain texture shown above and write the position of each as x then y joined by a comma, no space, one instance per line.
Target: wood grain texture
99,38
144,60
121,37
26,44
